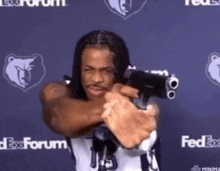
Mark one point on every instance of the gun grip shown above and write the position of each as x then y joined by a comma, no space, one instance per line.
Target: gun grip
141,102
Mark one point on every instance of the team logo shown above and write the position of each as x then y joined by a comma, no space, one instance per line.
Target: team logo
125,8
213,68
196,168
24,72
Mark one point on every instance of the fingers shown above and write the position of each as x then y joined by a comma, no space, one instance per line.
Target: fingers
129,124
150,114
125,90
129,91
110,104
116,112
153,110
109,117
115,107
109,96
117,88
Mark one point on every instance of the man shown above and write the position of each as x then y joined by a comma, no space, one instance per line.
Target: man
98,94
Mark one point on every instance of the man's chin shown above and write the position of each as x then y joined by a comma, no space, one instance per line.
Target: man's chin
94,94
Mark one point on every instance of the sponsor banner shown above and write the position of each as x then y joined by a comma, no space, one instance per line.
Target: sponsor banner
125,8
32,3
202,2
206,141
198,168
24,72
8,143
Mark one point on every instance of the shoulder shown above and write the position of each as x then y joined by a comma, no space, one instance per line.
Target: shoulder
54,90
54,86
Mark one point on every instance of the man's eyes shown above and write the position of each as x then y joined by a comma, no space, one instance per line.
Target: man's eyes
109,70
86,69
104,70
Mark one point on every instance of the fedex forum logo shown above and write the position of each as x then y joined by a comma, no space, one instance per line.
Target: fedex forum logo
198,168
202,2
27,143
206,141
24,72
125,8
32,3
213,68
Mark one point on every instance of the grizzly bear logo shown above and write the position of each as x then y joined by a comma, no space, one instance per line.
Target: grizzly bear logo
213,68
24,72
125,8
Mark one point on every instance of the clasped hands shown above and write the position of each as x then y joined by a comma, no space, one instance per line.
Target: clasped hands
128,123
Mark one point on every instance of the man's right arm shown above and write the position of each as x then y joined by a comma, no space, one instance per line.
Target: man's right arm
68,116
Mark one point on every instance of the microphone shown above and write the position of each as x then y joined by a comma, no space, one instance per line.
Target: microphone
105,143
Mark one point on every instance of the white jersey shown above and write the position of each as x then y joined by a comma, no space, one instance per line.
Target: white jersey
86,159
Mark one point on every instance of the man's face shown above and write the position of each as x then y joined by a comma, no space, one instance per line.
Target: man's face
97,71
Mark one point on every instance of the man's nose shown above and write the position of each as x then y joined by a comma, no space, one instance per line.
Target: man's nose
97,77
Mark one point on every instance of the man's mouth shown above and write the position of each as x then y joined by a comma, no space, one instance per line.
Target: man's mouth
97,92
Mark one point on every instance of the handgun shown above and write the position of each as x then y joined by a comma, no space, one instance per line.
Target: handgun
151,83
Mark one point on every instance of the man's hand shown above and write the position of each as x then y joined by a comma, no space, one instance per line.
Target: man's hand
129,124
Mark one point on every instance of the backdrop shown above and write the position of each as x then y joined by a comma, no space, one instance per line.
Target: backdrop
37,41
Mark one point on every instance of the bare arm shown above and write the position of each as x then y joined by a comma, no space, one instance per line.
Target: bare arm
67,116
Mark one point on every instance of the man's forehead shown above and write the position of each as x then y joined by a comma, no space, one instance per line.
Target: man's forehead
99,47
99,55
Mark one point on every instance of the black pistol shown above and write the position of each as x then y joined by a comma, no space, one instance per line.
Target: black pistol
151,83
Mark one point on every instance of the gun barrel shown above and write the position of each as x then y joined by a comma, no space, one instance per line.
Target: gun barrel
173,82
171,94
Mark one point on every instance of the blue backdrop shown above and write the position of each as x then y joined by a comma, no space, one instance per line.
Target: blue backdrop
181,36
